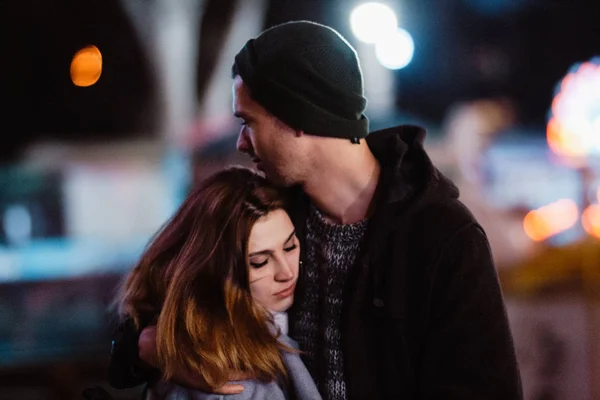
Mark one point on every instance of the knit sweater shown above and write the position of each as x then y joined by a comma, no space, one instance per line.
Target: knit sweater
331,251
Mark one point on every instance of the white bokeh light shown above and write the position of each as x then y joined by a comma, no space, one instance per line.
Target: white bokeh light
396,50
596,126
573,129
371,22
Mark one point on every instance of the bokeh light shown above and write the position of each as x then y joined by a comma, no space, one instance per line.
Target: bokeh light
395,51
573,130
590,220
371,22
549,220
86,66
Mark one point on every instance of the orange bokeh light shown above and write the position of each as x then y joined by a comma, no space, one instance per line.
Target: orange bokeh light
549,220
590,219
86,66
561,142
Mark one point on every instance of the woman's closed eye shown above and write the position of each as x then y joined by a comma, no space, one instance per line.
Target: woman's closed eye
259,264
290,248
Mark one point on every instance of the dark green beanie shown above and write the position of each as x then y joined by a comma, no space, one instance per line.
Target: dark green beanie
308,76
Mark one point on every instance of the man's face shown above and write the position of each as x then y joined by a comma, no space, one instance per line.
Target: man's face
269,142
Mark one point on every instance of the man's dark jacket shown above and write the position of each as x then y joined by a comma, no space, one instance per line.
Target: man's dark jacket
424,318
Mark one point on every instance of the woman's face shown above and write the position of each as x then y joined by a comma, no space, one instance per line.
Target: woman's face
273,261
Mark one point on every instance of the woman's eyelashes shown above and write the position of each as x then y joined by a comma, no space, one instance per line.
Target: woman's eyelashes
291,248
260,264
263,263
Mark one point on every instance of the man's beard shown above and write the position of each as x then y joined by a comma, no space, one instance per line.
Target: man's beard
278,179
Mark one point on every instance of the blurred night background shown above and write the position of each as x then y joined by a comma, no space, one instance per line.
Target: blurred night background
113,108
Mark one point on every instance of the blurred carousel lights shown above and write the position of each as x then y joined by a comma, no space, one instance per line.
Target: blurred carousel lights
590,217
551,219
573,130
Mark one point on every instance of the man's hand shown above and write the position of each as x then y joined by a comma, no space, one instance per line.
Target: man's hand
147,346
148,354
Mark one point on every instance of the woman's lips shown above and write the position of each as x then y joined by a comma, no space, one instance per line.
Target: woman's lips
286,292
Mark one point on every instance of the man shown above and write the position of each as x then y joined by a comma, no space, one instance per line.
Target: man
399,297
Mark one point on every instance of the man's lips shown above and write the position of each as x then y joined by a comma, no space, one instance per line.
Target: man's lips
257,164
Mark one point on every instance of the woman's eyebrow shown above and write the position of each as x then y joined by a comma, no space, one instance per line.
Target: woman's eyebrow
267,251
260,253
291,236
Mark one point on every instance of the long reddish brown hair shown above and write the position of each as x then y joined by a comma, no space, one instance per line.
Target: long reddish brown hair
192,281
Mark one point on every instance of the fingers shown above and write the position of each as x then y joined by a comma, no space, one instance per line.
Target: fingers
192,380
148,353
233,388
147,346
229,389
199,384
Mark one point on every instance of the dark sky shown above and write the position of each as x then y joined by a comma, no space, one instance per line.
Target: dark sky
520,54
464,50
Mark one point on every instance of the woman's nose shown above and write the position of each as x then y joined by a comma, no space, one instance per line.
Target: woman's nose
285,272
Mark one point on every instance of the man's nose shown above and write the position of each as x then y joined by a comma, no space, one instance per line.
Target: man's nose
243,143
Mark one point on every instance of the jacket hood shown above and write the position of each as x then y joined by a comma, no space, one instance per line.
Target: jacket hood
409,182
408,175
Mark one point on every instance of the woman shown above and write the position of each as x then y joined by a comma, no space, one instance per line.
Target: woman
216,281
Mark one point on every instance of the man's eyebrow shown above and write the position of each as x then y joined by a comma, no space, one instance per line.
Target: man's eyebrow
266,252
